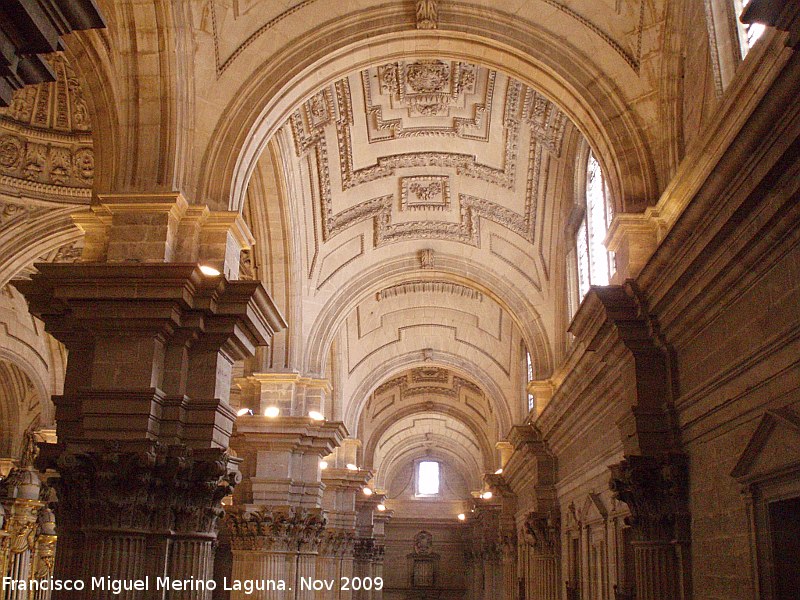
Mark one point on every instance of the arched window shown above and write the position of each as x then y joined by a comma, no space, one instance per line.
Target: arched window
428,478
595,264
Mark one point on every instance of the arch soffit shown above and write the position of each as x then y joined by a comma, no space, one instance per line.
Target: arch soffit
448,410
410,450
455,363
497,40
449,268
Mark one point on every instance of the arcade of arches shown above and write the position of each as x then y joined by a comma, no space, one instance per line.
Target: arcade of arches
488,300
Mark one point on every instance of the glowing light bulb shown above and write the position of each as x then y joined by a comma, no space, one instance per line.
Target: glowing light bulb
209,270
367,492
498,472
244,411
272,412
351,467
381,507
316,415
487,495
462,517
323,464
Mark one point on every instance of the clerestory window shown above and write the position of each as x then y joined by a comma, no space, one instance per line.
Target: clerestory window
428,478
595,264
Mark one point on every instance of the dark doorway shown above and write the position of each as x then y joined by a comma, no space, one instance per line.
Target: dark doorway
784,524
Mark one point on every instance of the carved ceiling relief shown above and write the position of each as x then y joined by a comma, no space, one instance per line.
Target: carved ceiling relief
45,138
426,150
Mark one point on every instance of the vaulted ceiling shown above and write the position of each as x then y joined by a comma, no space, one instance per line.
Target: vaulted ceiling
427,201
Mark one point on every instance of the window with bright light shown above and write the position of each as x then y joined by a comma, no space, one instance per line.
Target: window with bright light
529,365
748,34
427,478
595,264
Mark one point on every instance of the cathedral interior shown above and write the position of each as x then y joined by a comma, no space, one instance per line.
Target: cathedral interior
400,300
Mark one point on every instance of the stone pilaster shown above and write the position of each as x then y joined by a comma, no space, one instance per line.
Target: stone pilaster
655,489
542,533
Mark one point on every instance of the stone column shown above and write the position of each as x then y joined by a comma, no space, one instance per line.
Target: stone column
144,418
654,488
282,488
20,491
274,544
342,487
542,534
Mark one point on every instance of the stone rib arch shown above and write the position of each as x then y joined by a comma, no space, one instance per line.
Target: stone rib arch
402,363
526,52
347,298
471,470
426,408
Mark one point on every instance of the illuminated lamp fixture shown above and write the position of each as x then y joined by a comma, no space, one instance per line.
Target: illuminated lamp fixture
367,492
462,517
498,472
487,495
244,411
316,415
272,412
323,464
351,467
381,507
209,271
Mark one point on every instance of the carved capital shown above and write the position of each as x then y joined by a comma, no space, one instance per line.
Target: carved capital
281,529
157,488
654,488
542,531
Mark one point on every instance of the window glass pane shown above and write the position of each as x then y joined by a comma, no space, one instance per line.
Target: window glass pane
597,225
529,365
582,251
428,478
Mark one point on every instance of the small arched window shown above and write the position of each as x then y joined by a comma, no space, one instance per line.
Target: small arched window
595,263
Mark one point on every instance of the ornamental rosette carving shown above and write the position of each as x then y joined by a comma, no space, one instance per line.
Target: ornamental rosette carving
655,490
276,528
542,531
162,487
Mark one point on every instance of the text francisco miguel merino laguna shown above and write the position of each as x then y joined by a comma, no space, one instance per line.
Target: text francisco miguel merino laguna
248,586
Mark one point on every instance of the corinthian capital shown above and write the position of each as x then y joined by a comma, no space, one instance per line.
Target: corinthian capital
654,488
